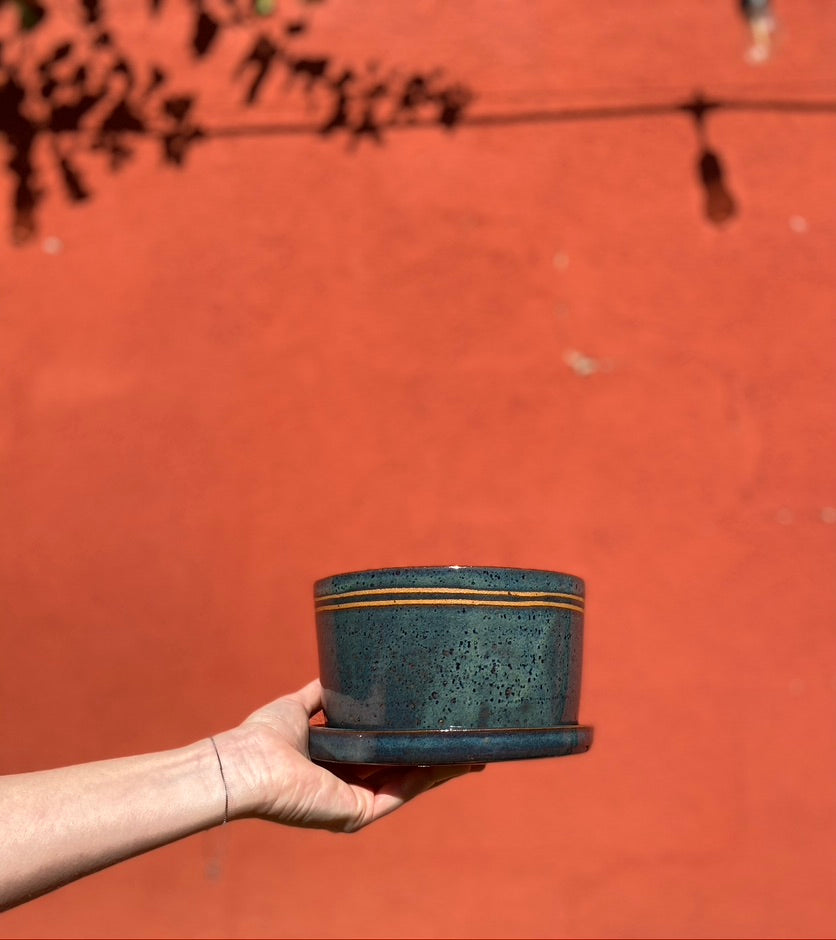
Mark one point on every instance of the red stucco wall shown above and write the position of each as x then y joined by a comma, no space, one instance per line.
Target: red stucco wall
295,356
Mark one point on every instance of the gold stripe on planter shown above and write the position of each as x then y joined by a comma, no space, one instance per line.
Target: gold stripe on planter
448,590
458,601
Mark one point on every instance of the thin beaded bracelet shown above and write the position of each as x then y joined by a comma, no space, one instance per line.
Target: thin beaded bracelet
223,778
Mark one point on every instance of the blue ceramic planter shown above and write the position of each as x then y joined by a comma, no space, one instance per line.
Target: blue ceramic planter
450,659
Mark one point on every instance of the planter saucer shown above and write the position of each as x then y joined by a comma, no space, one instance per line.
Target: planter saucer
458,746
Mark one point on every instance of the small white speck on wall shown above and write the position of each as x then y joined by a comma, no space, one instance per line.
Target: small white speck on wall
584,365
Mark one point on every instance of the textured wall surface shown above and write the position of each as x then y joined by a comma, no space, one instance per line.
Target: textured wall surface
515,341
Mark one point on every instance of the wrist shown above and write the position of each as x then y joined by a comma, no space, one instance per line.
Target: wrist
241,772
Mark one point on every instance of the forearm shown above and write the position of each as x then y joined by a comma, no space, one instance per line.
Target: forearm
58,825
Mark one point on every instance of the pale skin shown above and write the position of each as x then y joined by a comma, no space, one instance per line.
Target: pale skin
60,825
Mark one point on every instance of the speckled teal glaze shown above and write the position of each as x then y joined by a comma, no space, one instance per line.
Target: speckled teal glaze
408,649
431,748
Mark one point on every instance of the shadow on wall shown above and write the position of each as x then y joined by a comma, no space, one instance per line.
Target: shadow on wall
719,205
66,96
86,93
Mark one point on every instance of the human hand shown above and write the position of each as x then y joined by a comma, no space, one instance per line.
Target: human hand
270,776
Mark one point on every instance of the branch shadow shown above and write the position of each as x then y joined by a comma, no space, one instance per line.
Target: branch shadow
86,94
